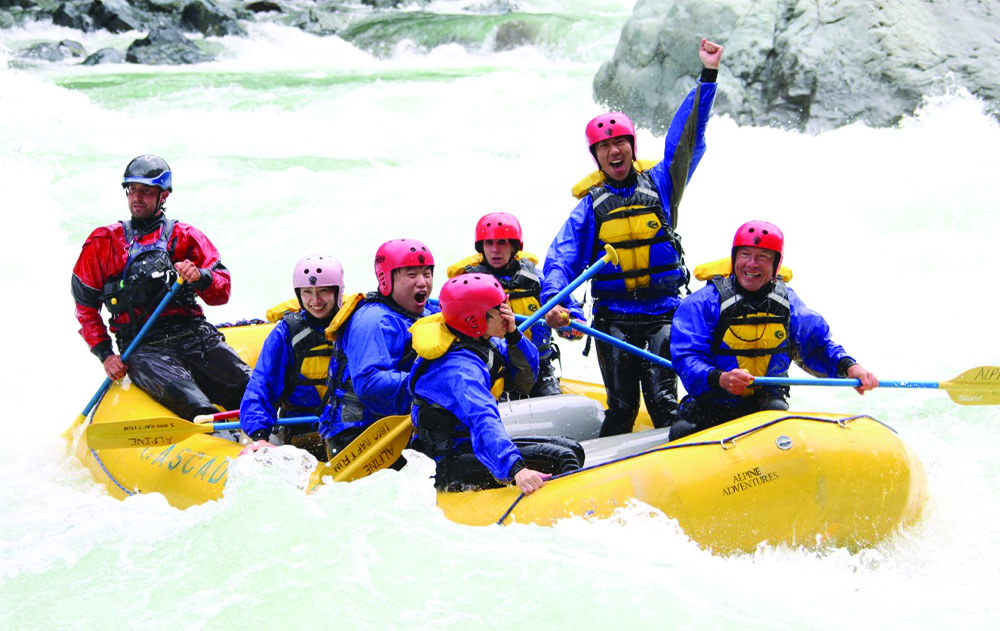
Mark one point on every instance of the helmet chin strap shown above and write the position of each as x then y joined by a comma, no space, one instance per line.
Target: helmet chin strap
159,203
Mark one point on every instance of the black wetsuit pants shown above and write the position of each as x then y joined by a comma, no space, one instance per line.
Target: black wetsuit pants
186,365
462,471
699,414
624,372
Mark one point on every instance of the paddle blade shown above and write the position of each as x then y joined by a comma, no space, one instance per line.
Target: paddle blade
376,448
149,432
979,386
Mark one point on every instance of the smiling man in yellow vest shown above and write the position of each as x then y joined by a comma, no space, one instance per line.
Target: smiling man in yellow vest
749,324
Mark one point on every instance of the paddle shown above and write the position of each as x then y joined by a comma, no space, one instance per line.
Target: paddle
376,448
151,432
211,418
131,347
978,386
610,256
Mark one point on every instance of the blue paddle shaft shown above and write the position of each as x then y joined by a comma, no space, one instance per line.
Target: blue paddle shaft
565,291
757,381
291,420
135,343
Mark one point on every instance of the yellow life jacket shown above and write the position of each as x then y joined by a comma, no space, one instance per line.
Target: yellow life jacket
282,309
523,285
311,353
751,333
651,259
598,177
347,309
724,267
431,339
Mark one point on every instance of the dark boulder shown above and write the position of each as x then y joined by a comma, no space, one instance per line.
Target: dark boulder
208,18
165,46
115,16
74,15
264,7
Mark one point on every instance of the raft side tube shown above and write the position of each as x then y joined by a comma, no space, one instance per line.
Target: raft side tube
572,416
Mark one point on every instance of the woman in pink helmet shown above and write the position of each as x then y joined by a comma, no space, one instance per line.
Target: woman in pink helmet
290,378
468,353
633,206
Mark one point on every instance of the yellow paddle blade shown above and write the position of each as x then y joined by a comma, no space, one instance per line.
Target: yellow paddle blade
376,448
149,432
979,386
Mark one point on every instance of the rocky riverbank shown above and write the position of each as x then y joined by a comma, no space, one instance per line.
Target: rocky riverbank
175,28
810,65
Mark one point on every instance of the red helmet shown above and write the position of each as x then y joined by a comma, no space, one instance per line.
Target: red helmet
761,234
466,298
610,125
398,253
498,226
319,270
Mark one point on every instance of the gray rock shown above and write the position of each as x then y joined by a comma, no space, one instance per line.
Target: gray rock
104,56
805,64
115,16
54,51
317,22
208,18
165,46
74,15
515,33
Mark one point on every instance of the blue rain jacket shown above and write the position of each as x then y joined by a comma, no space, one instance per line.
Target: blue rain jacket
258,408
459,382
691,337
379,357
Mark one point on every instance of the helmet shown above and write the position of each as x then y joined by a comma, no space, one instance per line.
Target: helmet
498,226
319,270
149,170
761,234
466,298
398,253
610,125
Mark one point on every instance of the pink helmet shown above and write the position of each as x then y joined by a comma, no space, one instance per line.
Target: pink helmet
610,125
761,234
498,226
393,255
466,298
319,270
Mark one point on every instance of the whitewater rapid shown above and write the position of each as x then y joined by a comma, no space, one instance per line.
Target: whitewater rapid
891,234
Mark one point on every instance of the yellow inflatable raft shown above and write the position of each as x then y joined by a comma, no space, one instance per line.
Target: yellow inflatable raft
777,478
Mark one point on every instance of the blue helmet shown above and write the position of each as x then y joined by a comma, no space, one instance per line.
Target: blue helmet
149,170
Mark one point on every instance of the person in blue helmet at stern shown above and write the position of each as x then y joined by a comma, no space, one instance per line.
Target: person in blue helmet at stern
127,268
749,324
633,206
